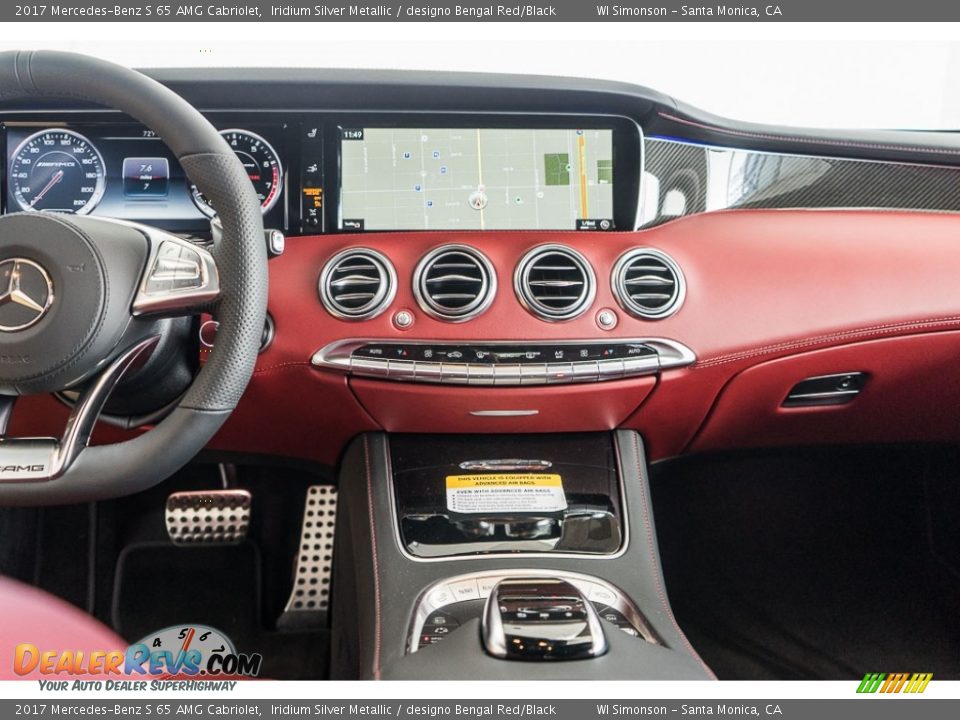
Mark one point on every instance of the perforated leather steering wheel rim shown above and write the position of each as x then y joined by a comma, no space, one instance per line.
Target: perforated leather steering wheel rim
240,254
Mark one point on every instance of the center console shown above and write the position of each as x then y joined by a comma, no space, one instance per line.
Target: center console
501,557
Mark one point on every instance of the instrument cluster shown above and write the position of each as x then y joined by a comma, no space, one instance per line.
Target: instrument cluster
125,171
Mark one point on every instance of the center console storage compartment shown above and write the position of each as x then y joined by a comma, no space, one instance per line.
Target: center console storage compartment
468,495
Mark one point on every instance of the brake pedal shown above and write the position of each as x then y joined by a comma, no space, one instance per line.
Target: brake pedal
208,517
309,600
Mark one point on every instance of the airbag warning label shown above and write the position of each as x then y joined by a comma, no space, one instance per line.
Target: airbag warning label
505,493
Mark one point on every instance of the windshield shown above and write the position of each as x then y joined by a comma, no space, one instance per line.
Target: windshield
876,83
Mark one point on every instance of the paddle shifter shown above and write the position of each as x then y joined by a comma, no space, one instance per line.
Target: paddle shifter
541,619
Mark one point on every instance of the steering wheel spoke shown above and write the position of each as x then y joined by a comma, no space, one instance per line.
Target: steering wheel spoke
43,459
181,277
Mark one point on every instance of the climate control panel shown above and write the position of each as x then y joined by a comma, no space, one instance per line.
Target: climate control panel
504,363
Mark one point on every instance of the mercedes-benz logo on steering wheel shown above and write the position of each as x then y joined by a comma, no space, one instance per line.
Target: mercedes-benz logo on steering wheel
26,294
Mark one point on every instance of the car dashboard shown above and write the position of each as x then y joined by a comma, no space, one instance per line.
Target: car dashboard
501,254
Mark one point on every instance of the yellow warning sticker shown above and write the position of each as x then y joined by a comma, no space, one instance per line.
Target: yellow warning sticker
505,492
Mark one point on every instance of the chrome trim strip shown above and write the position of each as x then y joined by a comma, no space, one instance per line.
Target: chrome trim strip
670,354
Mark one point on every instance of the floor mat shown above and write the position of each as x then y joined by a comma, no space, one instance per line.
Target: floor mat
159,585
807,565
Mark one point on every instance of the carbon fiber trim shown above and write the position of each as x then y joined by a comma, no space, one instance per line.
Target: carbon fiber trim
696,178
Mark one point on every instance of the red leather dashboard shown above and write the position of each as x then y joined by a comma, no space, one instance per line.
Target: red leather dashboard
761,285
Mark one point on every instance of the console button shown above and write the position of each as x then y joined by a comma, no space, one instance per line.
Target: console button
440,596
465,590
559,372
402,370
367,366
610,369
428,371
486,584
615,617
480,374
506,375
533,374
600,594
454,373
585,371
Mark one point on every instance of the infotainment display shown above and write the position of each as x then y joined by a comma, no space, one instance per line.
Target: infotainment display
476,179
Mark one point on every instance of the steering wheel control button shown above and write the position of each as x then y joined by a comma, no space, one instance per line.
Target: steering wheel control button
208,517
181,277
26,294
176,268
607,319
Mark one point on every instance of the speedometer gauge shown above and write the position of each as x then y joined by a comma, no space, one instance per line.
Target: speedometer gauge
58,171
263,168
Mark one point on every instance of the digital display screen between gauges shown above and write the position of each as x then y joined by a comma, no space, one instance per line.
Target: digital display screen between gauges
57,170
262,164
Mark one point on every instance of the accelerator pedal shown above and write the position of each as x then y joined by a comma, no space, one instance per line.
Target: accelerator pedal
208,517
309,601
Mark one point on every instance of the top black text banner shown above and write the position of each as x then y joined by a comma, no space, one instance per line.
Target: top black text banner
599,11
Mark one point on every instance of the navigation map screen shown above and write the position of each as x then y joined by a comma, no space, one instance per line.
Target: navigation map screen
476,179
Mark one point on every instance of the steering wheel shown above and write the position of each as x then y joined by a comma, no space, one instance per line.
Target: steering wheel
80,297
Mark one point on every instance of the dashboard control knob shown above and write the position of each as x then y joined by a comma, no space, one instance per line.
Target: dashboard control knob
276,242
607,319
541,619
403,319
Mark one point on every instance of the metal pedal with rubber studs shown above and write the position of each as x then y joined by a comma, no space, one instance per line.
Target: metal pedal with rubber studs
309,600
208,517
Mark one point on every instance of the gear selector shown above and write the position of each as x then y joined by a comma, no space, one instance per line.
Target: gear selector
541,618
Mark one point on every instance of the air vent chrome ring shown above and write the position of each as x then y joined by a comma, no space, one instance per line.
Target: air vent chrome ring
357,284
566,272
648,283
454,283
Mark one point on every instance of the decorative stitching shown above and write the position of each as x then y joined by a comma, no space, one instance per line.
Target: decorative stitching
653,560
810,141
376,572
871,331
278,366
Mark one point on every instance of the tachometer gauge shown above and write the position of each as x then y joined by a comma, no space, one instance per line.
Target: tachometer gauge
263,168
59,171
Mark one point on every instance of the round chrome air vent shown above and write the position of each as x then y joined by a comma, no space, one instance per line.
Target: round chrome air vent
555,282
454,282
357,284
648,283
